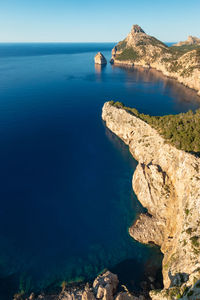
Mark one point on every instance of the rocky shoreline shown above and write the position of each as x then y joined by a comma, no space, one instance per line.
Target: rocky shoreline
178,62
105,287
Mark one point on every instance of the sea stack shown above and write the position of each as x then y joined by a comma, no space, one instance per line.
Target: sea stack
100,59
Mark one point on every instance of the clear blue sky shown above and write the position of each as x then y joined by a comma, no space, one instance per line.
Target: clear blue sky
96,21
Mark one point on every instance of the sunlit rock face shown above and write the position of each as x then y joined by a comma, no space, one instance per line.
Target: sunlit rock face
141,49
100,59
192,40
167,183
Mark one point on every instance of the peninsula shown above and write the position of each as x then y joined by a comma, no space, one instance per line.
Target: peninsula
181,61
167,183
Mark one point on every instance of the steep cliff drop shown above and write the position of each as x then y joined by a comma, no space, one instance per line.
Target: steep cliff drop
166,182
181,62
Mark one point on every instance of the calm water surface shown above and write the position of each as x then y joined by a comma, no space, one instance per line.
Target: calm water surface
66,195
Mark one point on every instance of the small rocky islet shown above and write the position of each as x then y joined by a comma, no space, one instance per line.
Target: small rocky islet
99,59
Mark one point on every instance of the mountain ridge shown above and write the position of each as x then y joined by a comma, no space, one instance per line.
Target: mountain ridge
179,62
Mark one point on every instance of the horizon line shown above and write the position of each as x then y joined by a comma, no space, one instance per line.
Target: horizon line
64,42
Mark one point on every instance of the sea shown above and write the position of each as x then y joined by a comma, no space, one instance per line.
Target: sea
66,198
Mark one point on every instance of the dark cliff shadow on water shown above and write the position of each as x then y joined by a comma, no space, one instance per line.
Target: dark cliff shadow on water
136,278
8,286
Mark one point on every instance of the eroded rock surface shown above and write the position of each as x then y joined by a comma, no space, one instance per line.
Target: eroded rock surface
167,183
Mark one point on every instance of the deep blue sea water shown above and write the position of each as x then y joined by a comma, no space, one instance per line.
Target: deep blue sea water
66,194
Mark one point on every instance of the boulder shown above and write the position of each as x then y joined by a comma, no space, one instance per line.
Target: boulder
105,285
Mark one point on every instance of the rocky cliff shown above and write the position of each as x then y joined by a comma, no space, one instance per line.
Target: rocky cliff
139,48
167,183
192,40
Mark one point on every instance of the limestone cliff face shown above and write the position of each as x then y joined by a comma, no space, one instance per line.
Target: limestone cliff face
166,182
139,48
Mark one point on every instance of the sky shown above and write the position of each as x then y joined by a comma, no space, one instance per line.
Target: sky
96,21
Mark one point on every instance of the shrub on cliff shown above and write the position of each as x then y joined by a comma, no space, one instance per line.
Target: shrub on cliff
181,130
128,54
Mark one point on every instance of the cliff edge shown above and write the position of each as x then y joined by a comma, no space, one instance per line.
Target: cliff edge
167,183
181,63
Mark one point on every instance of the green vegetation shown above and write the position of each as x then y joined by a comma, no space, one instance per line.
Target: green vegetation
174,292
128,54
181,130
180,50
156,42
189,231
150,40
184,243
190,293
121,45
195,241
168,55
175,66
187,211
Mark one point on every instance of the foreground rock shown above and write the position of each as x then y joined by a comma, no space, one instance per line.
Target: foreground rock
100,59
141,49
104,288
167,183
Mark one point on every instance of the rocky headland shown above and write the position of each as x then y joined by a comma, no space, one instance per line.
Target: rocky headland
167,183
192,40
100,59
181,62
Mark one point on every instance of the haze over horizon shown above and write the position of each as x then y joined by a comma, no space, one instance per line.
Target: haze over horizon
92,21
